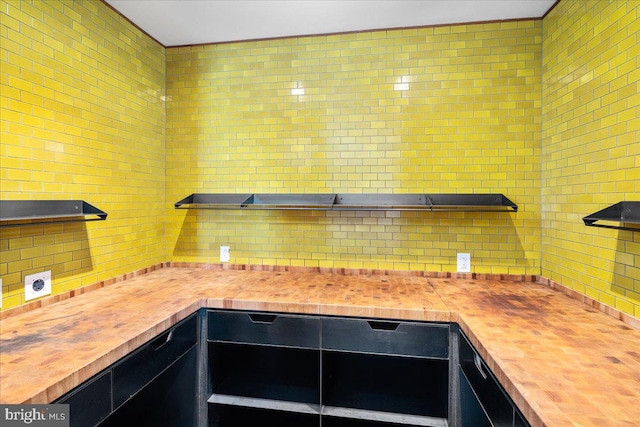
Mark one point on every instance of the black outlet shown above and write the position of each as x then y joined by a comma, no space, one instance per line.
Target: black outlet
38,285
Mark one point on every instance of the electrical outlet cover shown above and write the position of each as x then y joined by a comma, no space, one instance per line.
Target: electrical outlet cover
464,263
225,256
37,285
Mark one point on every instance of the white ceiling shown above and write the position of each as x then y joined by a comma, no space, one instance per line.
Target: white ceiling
188,22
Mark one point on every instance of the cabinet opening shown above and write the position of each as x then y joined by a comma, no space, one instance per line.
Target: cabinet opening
386,383
277,373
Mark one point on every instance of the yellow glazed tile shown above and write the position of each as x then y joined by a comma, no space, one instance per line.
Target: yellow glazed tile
588,121
60,75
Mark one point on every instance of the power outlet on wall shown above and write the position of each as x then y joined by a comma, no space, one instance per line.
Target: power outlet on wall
225,256
37,285
464,263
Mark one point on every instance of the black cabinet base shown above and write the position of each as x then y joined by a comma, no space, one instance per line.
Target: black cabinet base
90,403
169,400
288,370
472,414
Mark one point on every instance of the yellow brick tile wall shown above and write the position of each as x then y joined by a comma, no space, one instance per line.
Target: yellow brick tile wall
453,109
82,117
590,147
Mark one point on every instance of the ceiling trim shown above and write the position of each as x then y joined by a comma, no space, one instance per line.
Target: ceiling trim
132,23
373,30
550,9
416,27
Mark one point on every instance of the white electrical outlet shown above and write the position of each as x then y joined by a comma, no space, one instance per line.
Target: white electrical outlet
225,256
37,285
464,263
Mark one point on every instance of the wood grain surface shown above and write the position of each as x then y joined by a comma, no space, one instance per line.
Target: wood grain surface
563,362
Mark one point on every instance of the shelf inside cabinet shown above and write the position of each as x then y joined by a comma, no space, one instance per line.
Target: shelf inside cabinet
625,214
258,403
30,212
231,416
422,202
348,416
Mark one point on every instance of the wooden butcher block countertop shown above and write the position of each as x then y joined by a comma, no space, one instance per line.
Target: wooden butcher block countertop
563,362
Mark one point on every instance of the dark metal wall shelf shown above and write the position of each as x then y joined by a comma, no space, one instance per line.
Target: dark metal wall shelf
14,213
622,213
423,202
289,201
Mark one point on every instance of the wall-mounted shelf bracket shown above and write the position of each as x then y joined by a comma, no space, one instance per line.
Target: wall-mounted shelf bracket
14,213
626,214
471,202
212,201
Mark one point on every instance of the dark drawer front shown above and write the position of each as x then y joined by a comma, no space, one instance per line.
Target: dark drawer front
142,366
471,412
89,403
264,328
386,337
168,401
489,392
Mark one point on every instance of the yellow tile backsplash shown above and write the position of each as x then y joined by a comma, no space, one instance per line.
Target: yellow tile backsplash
543,111
432,110
82,117
590,148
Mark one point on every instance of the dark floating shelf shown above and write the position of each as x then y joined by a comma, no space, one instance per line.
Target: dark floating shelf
31,212
475,202
381,201
212,201
621,212
423,202
290,201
